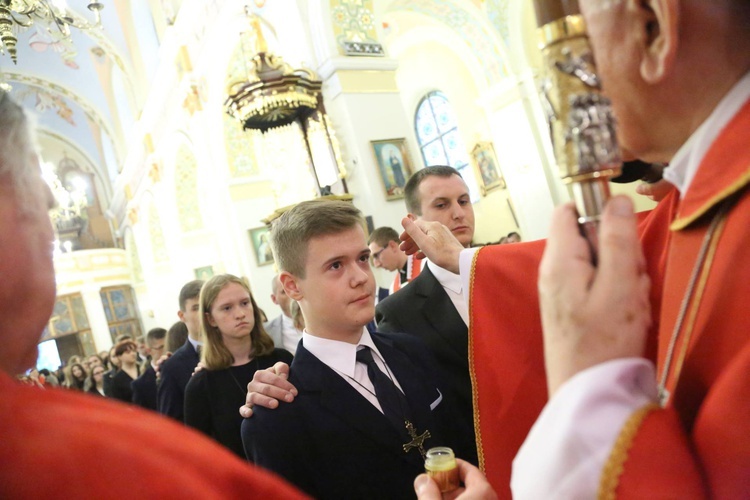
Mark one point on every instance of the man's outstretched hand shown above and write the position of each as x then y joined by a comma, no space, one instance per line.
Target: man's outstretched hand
267,388
433,240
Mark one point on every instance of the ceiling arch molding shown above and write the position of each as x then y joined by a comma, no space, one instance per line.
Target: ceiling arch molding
91,112
470,25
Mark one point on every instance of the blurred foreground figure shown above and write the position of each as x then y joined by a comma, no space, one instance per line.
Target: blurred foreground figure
175,463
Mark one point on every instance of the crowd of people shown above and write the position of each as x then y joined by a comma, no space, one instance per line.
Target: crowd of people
549,376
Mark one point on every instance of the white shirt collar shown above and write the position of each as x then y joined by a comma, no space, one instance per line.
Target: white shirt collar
287,322
683,167
195,343
446,278
341,356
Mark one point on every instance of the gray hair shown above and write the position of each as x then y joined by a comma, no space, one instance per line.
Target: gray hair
17,146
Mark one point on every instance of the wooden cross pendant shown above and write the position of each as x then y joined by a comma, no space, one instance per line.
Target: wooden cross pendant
416,441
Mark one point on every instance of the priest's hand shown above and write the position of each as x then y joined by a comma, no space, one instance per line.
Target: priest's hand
655,191
433,240
476,486
267,388
592,314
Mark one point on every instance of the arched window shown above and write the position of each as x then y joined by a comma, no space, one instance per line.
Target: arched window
439,139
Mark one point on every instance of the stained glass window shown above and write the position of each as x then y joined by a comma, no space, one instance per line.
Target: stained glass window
439,139
69,319
121,311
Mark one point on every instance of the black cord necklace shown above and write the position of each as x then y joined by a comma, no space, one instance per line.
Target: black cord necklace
417,440
243,391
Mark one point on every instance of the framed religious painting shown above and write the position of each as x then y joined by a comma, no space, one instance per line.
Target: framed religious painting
394,166
259,239
204,273
486,167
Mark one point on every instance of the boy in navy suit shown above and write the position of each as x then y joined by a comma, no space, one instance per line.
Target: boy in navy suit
368,404
177,370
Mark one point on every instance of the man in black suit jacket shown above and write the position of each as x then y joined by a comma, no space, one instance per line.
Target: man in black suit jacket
332,443
176,371
430,307
144,387
343,437
424,308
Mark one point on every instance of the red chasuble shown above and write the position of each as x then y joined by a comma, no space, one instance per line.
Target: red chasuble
58,443
413,268
699,444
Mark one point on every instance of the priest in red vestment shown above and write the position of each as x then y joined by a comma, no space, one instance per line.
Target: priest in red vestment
638,386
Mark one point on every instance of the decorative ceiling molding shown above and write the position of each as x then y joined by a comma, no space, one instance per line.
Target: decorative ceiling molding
483,40
91,113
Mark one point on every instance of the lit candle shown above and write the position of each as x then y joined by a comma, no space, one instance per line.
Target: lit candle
440,464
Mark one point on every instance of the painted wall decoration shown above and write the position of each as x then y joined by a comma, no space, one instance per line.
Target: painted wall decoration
354,27
158,244
186,180
240,146
479,39
135,261
46,101
51,38
498,12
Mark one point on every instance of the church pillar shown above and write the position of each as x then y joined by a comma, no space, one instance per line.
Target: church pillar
518,128
92,301
364,105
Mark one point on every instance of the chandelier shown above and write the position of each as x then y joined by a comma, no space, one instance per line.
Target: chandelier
18,15
274,96
69,215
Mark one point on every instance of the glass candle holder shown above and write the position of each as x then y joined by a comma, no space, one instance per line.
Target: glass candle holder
440,464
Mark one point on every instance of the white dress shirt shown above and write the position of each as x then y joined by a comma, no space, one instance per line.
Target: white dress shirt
341,357
452,284
195,343
565,452
289,334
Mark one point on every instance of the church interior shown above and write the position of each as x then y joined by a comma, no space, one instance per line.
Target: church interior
172,131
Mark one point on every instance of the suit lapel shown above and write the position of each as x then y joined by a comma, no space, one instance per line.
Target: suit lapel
338,397
438,310
419,400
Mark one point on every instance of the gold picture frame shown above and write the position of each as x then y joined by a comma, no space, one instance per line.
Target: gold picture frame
261,245
394,166
486,167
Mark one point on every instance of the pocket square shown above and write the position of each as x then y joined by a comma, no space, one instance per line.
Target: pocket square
434,404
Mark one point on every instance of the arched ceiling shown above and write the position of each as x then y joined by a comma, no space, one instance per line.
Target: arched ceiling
86,90
482,27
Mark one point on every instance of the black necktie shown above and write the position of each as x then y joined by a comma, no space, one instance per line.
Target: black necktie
391,400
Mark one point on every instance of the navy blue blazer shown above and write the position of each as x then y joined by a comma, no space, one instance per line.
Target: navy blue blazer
144,389
175,374
424,310
333,443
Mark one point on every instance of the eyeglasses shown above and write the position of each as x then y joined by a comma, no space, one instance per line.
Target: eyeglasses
376,255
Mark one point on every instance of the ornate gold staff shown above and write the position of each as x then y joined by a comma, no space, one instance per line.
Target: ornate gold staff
580,117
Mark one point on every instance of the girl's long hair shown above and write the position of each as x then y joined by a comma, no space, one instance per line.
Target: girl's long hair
216,355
